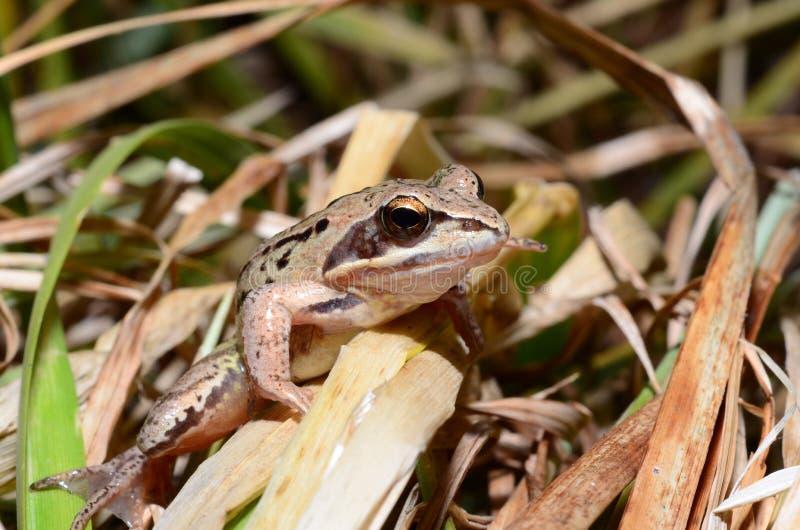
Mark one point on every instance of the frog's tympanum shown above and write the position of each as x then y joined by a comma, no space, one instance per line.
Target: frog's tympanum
367,258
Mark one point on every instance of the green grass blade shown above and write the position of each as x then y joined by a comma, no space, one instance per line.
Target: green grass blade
782,198
53,439
313,67
383,34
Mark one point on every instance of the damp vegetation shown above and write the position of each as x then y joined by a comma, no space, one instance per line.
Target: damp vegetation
639,374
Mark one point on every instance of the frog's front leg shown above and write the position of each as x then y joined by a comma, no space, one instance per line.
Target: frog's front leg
266,323
456,303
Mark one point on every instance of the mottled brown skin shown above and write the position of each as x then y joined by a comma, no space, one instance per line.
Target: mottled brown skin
208,402
365,259
341,268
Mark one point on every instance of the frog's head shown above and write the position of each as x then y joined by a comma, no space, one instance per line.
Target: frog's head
415,239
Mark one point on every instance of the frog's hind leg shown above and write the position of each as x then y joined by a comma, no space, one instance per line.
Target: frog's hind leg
126,485
207,402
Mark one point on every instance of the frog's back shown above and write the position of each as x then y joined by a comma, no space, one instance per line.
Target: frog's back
288,256
300,252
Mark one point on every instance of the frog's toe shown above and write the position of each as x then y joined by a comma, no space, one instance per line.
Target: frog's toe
125,485
290,394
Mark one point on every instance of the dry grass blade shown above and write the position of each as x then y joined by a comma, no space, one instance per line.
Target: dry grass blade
252,174
612,305
665,486
766,487
782,246
756,466
174,317
224,9
106,400
626,270
27,229
633,239
585,275
324,132
623,153
582,492
628,69
671,470
25,260
498,133
516,502
33,25
10,333
561,419
779,250
715,198
233,476
467,449
678,233
376,143
104,291
379,456
20,280
789,516
716,479
379,135
40,116
791,436
38,167
355,376
36,228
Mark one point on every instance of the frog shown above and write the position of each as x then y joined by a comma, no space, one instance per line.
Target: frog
364,260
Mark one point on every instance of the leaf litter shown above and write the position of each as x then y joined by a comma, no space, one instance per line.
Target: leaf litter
509,442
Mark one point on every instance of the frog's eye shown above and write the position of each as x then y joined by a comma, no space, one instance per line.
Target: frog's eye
405,217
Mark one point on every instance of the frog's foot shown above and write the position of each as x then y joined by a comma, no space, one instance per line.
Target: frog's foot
289,394
126,485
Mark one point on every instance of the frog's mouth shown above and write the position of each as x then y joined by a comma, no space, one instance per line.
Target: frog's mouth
432,261
441,269
424,269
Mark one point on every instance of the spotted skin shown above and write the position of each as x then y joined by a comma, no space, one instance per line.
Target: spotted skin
341,268
207,402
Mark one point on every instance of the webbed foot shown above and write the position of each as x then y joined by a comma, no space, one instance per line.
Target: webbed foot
126,485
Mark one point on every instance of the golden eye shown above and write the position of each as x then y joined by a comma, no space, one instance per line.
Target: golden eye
405,217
